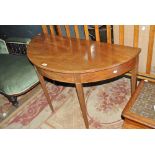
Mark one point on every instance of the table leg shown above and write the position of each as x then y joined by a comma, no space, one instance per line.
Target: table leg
81,98
43,85
134,72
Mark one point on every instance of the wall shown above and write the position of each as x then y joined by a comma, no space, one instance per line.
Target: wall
143,43
20,30
31,30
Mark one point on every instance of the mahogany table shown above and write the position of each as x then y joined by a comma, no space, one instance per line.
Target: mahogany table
80,61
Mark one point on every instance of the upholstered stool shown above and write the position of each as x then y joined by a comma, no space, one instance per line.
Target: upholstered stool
140,110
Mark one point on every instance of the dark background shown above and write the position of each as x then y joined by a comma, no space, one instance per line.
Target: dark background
25,31
29,31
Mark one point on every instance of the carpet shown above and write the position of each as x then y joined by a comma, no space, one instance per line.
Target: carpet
104,102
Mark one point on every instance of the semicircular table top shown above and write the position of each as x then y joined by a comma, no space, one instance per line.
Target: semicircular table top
77,56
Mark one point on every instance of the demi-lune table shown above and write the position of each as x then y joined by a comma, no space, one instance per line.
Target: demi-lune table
80,61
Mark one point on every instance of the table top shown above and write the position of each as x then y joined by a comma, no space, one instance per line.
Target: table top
70,55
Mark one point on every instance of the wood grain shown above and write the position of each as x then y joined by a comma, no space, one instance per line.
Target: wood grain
121,34
97,34
80,94
44,28
150,50
67,52
136,35
108,34
128,124
76,31
43,85
59,30
52,30
67,30
80,61
86,32
134,73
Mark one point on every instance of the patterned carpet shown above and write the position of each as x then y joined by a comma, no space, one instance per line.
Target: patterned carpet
104,101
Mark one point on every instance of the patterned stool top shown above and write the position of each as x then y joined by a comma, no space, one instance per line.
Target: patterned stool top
145,102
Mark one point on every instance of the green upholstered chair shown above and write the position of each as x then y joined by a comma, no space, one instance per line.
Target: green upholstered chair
17,74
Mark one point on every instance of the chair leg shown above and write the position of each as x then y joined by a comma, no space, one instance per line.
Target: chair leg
13,100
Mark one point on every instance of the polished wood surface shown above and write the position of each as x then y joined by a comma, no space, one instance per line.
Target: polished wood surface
59,30
78,56
97,34
52,30
132,120
43,85
136,35
44,28
81,61
81,98
134,76
67,30
86,32
122,37
121,34
128,124
108,34
150,49
76,31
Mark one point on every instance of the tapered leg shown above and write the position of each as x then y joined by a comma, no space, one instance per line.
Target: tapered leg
42,82
80,94
134,77
133,81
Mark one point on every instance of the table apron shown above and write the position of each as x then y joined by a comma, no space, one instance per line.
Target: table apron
89,76
108,73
